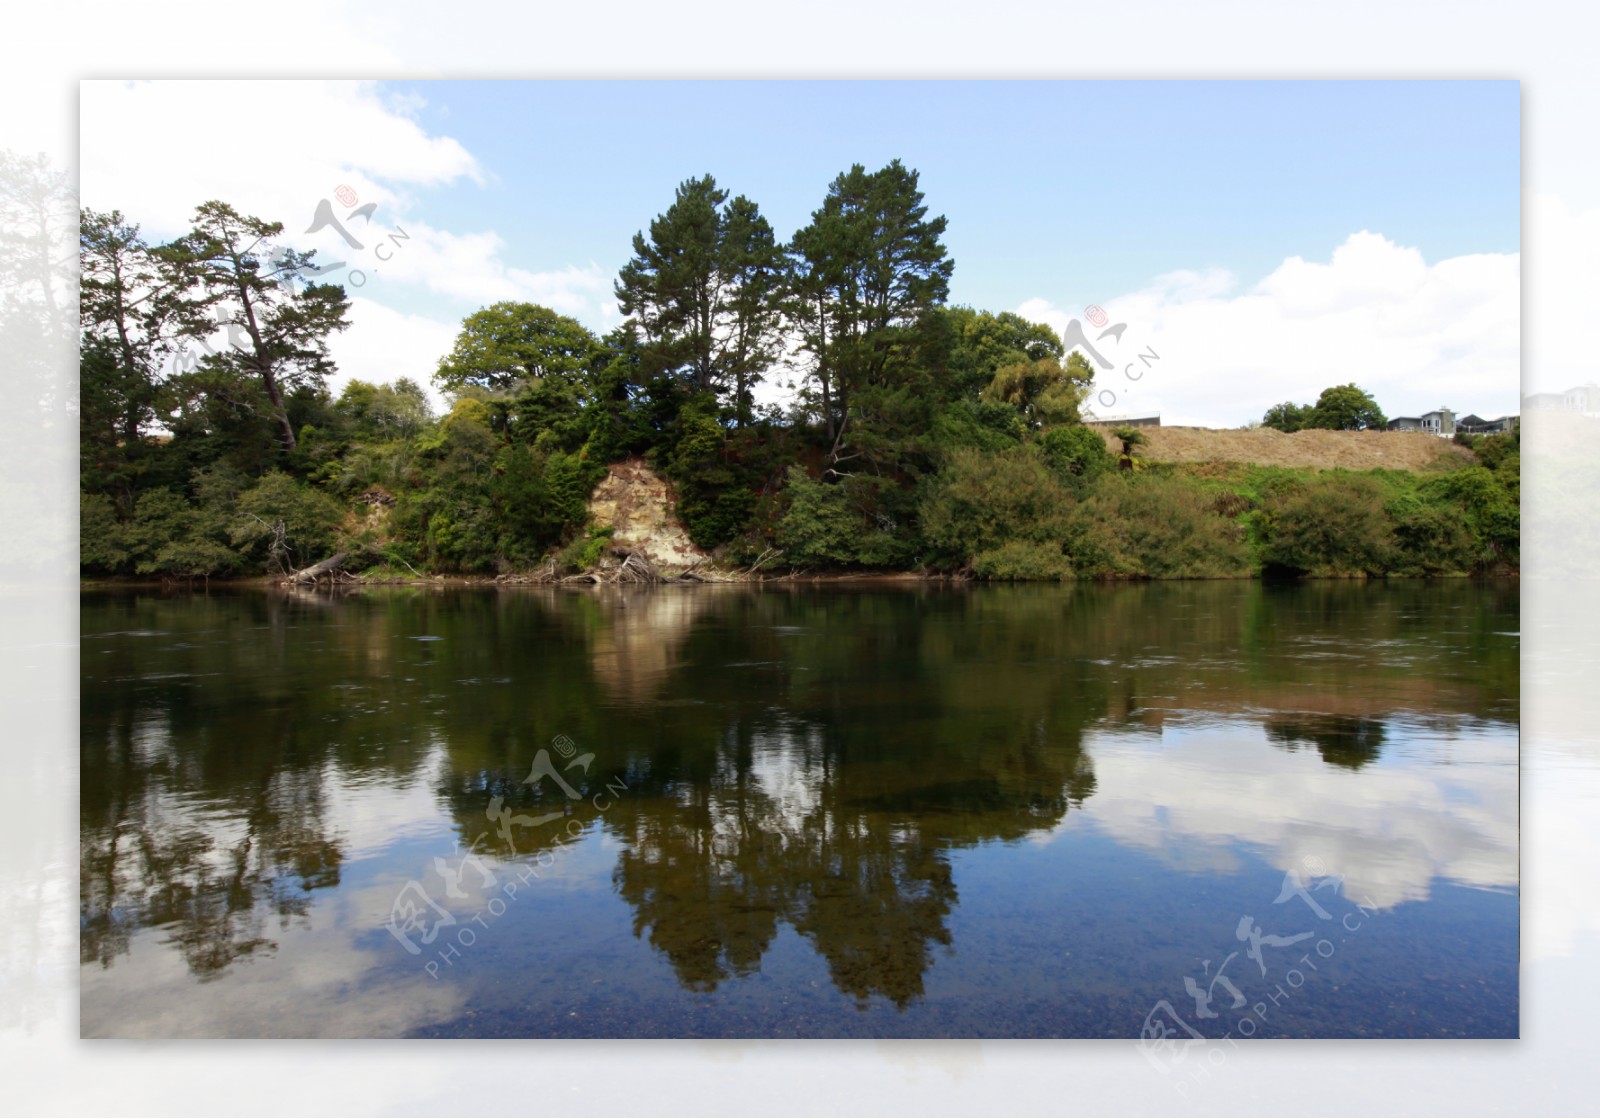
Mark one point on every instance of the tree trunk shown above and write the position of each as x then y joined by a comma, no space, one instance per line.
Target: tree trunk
269,379
270,383
309,574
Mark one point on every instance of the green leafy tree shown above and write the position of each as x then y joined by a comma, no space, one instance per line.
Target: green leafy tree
1488,507
1288,417
384,412
703,293
751,265
1432,539
1132,439
133,312
277,338
1346,408
539,498
286,523
973,422
185,534
619,419
509,346
712,499
1043,391
980,343
533,368
868,269
837,525
451,519
102,547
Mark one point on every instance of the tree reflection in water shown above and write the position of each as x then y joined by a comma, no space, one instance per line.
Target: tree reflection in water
809,757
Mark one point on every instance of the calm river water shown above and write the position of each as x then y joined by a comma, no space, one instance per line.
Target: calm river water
816,811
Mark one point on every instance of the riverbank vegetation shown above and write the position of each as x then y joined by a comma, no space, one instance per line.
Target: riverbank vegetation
913,436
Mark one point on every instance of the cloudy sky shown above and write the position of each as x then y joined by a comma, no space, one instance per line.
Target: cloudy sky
1264,239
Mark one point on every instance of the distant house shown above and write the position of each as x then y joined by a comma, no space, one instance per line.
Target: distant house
1441,421
1474,424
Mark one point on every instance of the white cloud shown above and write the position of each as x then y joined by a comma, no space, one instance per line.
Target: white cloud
268,148
298,143
1415,335
277,149
470,268
383,344
1390,829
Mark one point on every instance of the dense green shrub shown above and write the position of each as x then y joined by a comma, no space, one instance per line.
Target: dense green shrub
1022,559
983,500
1334,524
715,492
102,548
1488,508
1078,454
1431,540
586,551
280,513
836,525
990,425
1158,527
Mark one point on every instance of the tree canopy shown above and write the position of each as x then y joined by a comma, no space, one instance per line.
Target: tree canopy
703,293
510,345
1339,408
921,436
277,338
1347,408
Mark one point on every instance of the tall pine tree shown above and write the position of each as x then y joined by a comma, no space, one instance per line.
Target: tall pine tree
277,337
703,292
862,275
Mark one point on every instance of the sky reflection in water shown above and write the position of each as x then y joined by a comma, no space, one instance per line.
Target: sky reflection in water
834,812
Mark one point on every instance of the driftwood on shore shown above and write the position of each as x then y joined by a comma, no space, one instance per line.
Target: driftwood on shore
634,568
624,568
330,569
628,568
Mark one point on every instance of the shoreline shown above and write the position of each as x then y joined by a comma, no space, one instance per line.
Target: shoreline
447,582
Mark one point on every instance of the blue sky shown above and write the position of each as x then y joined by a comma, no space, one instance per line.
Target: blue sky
1073,191
1267,238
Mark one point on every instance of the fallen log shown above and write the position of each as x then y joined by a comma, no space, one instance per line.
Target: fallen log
329,567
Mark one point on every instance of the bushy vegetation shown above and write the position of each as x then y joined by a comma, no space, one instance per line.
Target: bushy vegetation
1339,408
922,436
1159,527
984,502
